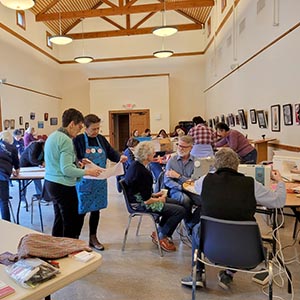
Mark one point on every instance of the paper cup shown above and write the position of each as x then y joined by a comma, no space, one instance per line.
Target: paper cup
165,191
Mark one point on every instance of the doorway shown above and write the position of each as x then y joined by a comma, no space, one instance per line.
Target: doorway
123,122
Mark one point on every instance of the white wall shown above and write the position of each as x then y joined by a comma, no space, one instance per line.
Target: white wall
23,67
269,78
186,82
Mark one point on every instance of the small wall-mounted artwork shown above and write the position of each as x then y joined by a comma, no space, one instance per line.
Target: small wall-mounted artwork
32,116
275,117
217,120
262,119
231,120
53,121
6,124
253,116
222,118
210,123
12,124
297,113
287,114
243,119
22,131
46,116
26,125
40,124
237,119
20,120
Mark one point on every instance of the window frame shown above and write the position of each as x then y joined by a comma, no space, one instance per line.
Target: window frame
21,13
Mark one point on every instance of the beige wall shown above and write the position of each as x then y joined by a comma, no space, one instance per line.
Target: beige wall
269,78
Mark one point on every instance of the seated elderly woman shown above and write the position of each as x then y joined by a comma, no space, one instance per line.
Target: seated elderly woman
139,181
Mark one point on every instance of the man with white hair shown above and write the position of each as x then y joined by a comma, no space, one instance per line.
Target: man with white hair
8,160
229,195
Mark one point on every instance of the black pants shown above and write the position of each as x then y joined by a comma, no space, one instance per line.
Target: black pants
93,222
4,198
65,204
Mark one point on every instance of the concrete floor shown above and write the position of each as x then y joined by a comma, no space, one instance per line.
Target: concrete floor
140,273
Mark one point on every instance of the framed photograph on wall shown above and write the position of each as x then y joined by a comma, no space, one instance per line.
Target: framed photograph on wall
297,113
53,121
262,119
287,114
275,117
243,120
253,116
12,124
22,131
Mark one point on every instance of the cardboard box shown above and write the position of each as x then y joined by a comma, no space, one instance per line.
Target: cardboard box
166,145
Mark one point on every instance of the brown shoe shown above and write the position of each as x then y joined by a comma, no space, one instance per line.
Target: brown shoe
95,243
154,238
166,245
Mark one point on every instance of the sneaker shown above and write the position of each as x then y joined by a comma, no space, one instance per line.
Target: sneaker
166,245
188,281
224,279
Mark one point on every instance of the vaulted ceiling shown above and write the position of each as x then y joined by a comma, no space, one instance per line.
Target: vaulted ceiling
64,15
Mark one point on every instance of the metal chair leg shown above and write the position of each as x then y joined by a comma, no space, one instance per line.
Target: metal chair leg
41,216
11,210
194,274
126,232
138,226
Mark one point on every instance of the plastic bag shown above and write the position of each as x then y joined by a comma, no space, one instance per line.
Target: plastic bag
31,271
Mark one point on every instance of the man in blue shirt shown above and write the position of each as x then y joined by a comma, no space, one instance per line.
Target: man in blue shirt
179,169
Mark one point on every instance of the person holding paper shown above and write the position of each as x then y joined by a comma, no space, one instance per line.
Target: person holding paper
61,173
92,194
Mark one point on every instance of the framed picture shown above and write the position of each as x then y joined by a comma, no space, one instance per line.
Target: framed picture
46,115
237,119
253,116
287,114
53,121
231,120
22,131
217,120
275,117
40,124
26,125
6,124
262,119
297,113
243,120
210,123
12,124
20,120
223,118
32,116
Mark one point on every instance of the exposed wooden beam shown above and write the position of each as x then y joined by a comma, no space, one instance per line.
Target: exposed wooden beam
125,11
143,20
130,3
126,32
112,23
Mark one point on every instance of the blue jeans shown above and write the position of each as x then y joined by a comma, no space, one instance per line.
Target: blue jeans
4,198
250,158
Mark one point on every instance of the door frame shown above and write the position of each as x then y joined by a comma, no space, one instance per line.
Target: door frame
112,113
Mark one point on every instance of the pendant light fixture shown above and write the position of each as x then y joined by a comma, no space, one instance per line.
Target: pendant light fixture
18,4
83,59
60,39
163,53
164,30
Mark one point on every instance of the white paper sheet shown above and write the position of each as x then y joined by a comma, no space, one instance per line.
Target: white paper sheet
116,170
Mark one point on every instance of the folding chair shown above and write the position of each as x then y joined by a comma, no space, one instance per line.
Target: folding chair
235,245
135,213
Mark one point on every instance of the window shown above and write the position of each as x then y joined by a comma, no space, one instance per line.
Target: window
48,42
20,16
223,5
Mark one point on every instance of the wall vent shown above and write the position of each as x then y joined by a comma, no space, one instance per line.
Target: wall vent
260,5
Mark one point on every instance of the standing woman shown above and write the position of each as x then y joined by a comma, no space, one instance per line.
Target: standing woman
92,194
8,160
62,173
29,136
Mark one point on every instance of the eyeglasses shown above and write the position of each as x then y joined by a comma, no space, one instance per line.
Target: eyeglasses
181,146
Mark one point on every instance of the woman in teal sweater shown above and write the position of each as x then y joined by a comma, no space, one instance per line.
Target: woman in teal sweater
62,172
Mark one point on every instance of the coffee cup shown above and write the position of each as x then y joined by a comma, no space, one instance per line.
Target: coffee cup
164,191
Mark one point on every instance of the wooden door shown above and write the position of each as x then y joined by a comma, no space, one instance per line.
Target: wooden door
123,122
139,120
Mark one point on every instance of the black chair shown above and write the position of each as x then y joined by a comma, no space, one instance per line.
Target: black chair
234,245
133,212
